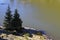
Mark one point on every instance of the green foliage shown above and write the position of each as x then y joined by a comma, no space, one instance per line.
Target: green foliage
39,33
16,21
28,34
12,23
8,18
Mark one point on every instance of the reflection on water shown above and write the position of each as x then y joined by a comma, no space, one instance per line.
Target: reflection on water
39,14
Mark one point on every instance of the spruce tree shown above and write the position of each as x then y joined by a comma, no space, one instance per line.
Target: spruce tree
8,18
16,21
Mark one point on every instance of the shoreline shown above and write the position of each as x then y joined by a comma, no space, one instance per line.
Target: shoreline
33,31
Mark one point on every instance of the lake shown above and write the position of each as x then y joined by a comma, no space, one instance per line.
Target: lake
38,14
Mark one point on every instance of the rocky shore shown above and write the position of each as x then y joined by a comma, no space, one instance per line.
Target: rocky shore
25,37
29,34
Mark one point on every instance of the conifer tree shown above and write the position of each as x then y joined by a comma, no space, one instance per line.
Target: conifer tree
8,18
16,21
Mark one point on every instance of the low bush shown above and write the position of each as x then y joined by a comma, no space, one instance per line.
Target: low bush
38,33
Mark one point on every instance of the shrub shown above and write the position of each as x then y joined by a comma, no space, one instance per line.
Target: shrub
38,33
